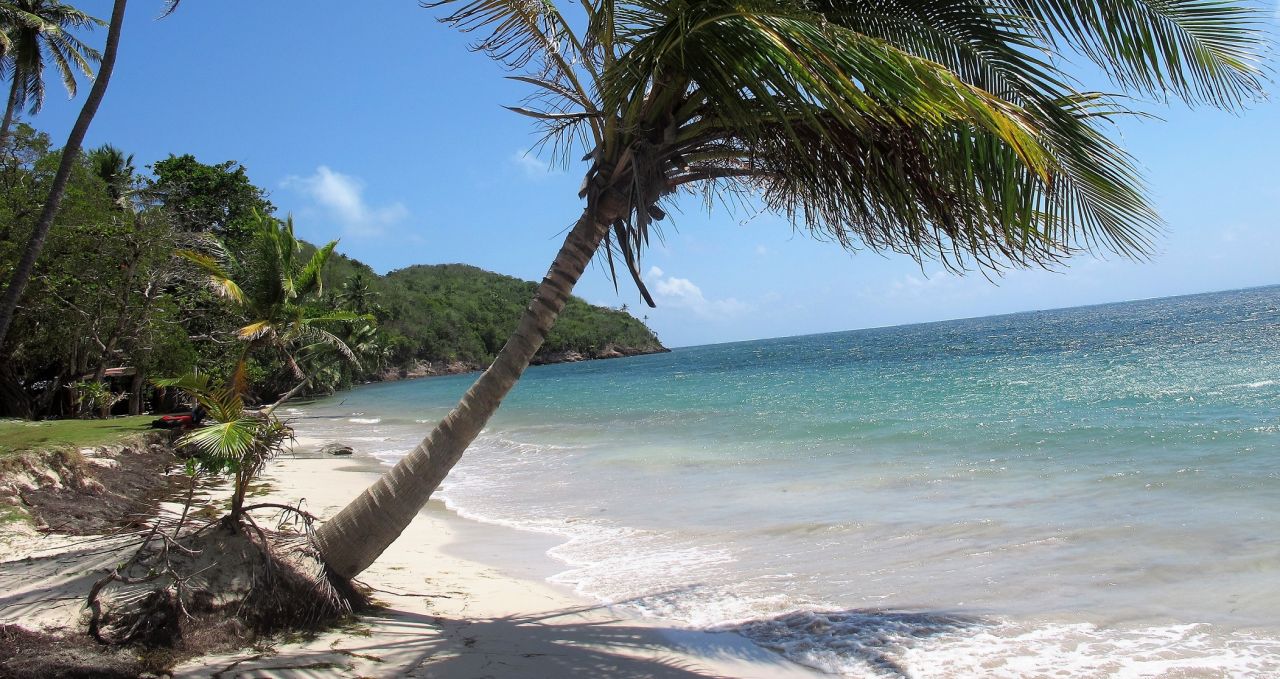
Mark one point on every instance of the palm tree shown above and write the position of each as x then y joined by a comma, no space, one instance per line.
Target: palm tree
356,294
116,169
273,296
943,129
70,154
237,442
38,30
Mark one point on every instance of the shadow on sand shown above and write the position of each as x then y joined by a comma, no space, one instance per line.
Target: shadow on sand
578,642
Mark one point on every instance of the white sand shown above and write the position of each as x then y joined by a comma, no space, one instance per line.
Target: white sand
443,616
449,617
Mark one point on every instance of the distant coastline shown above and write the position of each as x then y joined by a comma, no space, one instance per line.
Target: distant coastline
423,368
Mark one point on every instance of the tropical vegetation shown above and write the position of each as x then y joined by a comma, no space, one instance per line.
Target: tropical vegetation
70,156
942,129
456,313
110,307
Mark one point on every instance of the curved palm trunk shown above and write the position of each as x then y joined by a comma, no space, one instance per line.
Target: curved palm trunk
70,152
284,399
364,528
9,110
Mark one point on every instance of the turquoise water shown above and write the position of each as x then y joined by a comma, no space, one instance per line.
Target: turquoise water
1083,492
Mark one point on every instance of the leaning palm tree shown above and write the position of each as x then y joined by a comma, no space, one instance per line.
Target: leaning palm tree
70,154
40,32
942,129
273,295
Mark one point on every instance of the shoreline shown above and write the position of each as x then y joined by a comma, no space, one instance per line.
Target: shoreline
441,368
447,612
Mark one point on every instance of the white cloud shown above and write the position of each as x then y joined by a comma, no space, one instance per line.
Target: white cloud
531,166
681,293
341,196
762,250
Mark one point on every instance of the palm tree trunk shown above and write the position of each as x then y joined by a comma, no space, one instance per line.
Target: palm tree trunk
354,538
9,110
70,152
284,399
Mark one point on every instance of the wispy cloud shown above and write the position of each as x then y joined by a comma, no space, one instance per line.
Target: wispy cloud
940,286
341,197
681,293
532,166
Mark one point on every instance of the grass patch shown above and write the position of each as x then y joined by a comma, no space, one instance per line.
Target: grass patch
20,435
11,514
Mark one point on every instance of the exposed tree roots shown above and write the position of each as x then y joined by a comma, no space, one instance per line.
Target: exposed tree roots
224,583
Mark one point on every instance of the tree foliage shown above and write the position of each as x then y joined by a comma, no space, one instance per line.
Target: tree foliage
457,312
217,199
108,292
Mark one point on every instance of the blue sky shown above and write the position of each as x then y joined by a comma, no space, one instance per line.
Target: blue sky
372,123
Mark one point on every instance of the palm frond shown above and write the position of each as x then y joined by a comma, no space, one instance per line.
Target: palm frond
254,330
311,333
336,317
217,278
1199,50
226,441
195,382
519,33
309,280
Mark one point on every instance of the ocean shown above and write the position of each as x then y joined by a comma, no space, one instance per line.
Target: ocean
1089,492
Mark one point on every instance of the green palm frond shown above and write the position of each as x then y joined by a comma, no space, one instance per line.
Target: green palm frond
309,280
1199,50
217,277
192,382
337,316
40,29
322,337
943,129
224,441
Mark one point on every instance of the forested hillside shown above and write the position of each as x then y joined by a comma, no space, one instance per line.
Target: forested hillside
460,314
185,267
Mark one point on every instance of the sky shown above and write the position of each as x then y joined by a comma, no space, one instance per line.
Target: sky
372,122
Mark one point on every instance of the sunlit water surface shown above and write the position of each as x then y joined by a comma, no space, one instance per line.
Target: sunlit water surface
1085,492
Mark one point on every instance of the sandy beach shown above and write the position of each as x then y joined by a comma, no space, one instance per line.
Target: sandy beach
441,615
446,616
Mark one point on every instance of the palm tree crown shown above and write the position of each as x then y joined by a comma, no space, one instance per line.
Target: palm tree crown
938,128
39,31
116,169
273,291
942,129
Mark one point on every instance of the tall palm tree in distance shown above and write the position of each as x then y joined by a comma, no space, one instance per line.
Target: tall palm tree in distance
40,32
943,129
116,168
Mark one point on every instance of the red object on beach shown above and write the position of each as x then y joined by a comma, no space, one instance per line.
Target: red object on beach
172,421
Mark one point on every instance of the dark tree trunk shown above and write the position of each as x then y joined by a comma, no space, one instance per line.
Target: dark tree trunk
353,539
135,392
122,317
70,152
9,110
14,400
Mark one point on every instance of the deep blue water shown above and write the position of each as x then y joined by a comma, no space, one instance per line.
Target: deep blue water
1093,491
